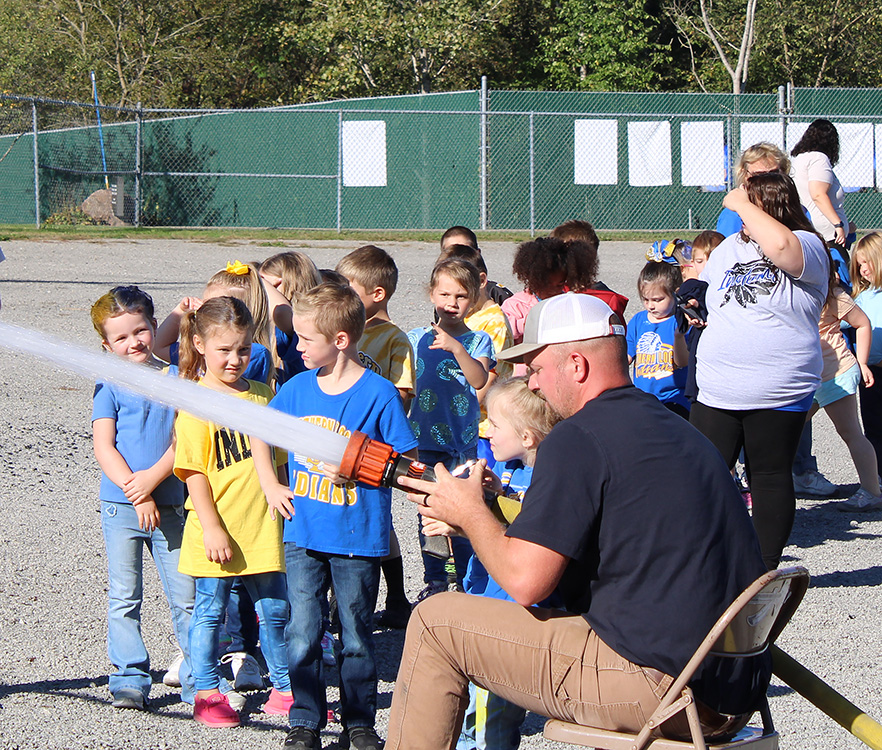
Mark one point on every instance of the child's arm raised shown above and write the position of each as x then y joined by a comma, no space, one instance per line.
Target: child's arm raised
278,496
280,305
476,371
858,320
218,547
170,328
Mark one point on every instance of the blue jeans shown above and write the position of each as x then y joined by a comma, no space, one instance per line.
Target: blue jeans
240,626
433,567
267,591
124,542
356,581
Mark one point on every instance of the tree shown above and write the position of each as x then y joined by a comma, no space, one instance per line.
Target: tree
602,45
728,27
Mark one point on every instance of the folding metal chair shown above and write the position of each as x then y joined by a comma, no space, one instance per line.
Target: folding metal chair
750,624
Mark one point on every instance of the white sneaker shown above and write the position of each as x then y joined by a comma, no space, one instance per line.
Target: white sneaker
328,655
171,676
246,671
813,484
861,501
236,700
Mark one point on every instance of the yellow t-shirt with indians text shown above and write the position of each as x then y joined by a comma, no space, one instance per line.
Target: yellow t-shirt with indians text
384,349
493,322
224,457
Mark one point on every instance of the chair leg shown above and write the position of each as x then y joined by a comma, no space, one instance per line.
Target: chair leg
766,714
695,726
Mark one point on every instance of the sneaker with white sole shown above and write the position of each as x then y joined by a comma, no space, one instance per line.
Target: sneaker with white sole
329,657
813,484
246,671
172,676
861,501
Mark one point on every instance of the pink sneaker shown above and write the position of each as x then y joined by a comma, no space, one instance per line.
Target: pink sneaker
215,711
278,703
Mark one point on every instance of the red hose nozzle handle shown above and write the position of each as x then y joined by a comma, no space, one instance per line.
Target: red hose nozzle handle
366,460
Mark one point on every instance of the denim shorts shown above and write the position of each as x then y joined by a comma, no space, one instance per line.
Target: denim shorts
844,384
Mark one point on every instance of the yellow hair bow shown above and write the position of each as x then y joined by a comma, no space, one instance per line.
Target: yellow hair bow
238,269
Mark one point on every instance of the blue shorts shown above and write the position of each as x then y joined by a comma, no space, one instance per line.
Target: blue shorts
844,384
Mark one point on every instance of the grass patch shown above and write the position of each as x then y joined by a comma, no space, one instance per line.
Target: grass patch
283,237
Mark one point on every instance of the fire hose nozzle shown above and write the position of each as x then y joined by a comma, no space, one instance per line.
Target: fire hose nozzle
378,465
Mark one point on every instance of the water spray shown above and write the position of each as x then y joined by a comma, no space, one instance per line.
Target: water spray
359,457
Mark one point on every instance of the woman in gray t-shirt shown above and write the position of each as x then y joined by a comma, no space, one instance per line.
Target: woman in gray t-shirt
759,359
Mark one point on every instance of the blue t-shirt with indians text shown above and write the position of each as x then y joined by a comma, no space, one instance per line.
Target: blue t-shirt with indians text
353,519
445,413
144,432
652,347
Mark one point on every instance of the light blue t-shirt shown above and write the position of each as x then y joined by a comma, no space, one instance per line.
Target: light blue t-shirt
652,347
144,431
870,301
259,366
445,413
344,520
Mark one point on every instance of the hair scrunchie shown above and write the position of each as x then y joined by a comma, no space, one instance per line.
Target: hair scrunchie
662,251
238,269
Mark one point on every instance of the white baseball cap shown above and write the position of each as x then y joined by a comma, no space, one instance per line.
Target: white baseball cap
561,319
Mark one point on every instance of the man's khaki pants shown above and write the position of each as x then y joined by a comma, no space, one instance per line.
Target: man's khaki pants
547,661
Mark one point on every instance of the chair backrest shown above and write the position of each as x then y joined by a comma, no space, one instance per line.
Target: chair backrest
759,614
753,621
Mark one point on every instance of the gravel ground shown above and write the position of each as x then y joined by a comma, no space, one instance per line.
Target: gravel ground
53,663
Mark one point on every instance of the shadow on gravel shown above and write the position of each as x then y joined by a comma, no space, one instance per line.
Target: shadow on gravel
57,687
822,522
776,691
849,578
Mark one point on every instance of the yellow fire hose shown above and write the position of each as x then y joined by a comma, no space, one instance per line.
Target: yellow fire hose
818,692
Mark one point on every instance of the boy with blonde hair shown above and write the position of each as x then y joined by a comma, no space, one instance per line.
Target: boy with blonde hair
335,530
384,349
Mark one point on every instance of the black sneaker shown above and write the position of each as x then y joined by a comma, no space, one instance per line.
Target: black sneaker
302,738
361,738
395,616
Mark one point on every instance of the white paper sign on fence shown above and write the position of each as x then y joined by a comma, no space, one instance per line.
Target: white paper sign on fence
364,153
649,153
702,154
596,153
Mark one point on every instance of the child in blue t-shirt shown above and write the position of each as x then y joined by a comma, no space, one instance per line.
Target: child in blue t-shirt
336,530
656,348
142,504
452,363
519,420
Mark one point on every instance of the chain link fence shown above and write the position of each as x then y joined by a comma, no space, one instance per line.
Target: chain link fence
489,160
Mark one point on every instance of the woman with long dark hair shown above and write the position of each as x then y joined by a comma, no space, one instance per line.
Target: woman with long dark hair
814,157
759,359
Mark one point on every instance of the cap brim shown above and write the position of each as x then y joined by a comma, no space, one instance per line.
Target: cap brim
517,353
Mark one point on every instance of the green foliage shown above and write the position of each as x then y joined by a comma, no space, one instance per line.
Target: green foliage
602,45
74,216
241,53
